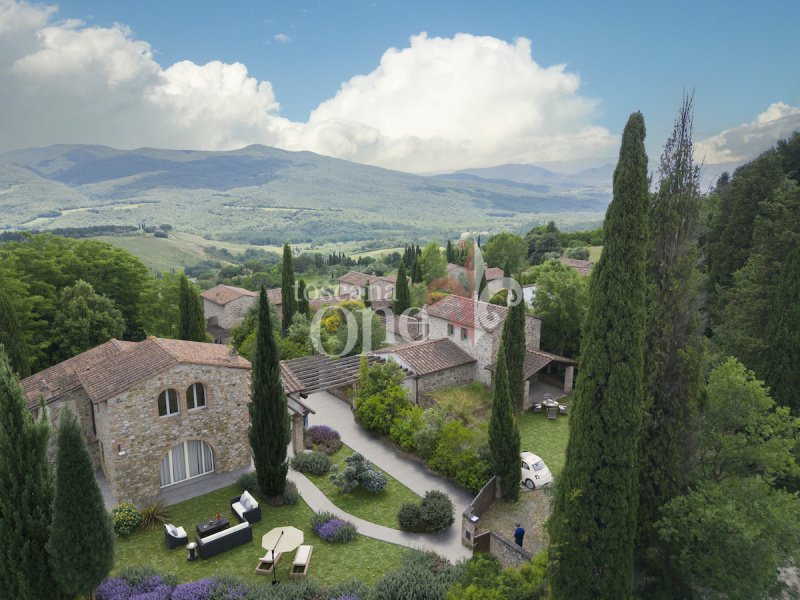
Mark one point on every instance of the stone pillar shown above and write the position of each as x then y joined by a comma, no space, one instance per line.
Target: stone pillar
469,529
298,434
527,398
569,375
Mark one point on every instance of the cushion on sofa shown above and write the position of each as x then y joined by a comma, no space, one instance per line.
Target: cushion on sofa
248,501
173,531
239,509
181,532
224,532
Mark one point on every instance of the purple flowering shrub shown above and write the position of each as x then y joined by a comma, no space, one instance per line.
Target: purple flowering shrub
323,438
194,590
114,588
332,529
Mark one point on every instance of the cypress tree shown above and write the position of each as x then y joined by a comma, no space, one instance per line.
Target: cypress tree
269,431
516,349
783,337
26,495
81,544
191,325
402,296
367,301
451,257
416,271
503,432
673,354
303,307
12,337
288,300
593,525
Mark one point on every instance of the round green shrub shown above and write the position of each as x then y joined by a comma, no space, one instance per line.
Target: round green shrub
125,518
314,463
434,513
410,517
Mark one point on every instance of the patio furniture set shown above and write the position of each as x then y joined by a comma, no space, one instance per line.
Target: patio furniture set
216,536
551,406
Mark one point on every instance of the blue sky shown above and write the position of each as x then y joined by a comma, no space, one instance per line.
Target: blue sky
740,58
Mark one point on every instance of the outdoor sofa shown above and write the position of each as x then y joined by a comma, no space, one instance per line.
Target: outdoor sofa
246,508
174,537
226,539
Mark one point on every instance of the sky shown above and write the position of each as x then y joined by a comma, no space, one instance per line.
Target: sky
408,85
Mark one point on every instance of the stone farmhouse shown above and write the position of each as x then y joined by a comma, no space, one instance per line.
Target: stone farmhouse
495,278
156,413
381,288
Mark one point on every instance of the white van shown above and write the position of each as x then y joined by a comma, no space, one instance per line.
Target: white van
534,472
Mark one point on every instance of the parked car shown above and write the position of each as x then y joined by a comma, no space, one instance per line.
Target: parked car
534,472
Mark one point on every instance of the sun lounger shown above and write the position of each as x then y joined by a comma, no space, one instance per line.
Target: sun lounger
266,564
302,559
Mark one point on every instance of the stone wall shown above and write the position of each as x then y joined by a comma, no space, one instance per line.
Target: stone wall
479,344
533,331
470,519
234,311
81,405
506,551
136,439
456,376
344,393
351,290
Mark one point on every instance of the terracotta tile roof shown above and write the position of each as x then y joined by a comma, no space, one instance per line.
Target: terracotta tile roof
430,356
317,303
405,326
222,294
536,360
291,384
469,312
115,366
361,279
275,296
493,273
583,267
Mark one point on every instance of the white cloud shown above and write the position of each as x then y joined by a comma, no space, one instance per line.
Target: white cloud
439,104
282,38
743,142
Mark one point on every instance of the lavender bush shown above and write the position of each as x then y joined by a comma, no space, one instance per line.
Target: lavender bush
323,438
114,588
195,590
332,529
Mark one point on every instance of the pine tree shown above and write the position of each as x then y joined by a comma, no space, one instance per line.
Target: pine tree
288,300
367,301
191,325
593,525
783,337
81,547
26,495
402,295
504,433
673,353
269,431
12,337
303,306
516,349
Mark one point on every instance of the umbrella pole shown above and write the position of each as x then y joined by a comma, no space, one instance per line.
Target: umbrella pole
274,562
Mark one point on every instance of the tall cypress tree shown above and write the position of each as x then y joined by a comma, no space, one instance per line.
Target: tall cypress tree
674,347
191,325
367,301
593,525
783,337
81,546
269,431
12,337
402,296
26,496
303,306
288,300
451,257
516,348
503,432
416,270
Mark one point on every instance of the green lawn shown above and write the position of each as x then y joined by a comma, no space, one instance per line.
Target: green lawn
331,563
546,438
594,253
377,508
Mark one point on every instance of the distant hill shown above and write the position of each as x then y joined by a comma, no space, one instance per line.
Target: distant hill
264,195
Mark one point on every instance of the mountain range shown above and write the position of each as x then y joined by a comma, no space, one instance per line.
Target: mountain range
263,195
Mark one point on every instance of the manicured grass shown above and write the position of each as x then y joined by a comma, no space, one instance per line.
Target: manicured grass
331,563
546,438
378,508
470,403
594,253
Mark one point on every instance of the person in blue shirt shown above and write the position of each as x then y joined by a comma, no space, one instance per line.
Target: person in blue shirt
519,533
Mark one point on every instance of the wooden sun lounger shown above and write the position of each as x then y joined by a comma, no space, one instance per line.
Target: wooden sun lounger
302,559
266,565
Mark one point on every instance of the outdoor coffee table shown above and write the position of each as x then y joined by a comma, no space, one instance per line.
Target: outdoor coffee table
209,527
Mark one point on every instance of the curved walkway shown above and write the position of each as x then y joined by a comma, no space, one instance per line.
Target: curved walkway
337,414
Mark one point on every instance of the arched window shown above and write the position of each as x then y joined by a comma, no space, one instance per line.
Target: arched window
186,460
167,403
196,396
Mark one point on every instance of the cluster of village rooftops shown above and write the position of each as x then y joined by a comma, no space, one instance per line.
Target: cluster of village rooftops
161,411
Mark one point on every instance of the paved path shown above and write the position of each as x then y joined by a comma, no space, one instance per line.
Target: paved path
337,414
